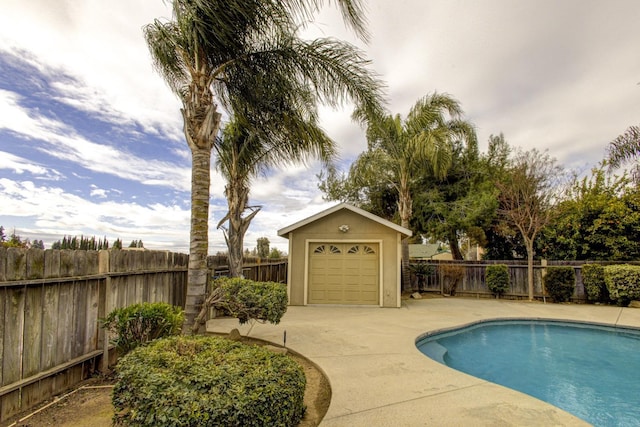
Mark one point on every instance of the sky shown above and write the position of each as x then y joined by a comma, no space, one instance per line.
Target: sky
91,137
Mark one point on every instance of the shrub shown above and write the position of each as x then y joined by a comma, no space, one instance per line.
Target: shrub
497,277
421,271
560,283
452,275
207,381
140,323
246,299
623,282
594,285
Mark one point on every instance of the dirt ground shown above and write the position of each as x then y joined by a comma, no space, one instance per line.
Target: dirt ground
90,403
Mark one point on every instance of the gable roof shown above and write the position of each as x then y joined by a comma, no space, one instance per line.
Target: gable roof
427,250
284,232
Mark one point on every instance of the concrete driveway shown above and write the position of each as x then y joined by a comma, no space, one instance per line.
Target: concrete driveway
379,378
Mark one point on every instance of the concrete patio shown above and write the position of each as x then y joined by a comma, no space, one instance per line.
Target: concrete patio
379,378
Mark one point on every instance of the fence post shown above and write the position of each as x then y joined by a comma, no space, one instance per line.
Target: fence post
104,306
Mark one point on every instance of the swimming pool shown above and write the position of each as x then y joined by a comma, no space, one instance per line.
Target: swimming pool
591,371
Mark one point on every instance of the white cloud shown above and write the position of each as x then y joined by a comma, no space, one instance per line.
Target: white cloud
20,165
60,140
98,192
59,213
552,75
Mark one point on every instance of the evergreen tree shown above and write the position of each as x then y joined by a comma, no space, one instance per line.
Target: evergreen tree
262,248
117,244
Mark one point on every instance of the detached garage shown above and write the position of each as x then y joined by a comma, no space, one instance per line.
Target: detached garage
344,255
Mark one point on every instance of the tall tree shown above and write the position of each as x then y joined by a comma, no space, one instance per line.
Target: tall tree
245,151
460,206
625,148
262,247
361,187
599,220
527,196
502,242
212,53
403,148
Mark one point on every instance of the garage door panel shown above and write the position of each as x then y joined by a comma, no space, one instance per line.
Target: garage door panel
343,273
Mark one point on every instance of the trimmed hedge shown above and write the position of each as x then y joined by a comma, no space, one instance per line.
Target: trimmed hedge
623,283
497,277
207,381
560,283
246,299
594,284
140,323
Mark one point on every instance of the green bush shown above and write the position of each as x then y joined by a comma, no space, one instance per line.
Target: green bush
594,285
623,283
497,277
140,323
246,299
560,283
422,271
207,381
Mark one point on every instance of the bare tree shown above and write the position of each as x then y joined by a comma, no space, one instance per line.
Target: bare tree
527,195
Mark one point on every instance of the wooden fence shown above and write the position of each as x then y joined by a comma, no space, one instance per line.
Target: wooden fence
51,302
440,275
258,269
50,305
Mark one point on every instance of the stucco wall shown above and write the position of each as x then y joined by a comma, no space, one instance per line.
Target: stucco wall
360,229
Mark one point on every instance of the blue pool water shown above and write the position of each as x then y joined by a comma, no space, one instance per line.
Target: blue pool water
588,370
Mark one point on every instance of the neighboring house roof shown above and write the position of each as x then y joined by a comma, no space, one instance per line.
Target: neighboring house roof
428,250
284,232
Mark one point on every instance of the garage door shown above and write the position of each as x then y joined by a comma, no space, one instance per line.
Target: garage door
343,273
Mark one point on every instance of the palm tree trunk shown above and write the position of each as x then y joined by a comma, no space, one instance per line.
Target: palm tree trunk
199,234
235,243
405,210
200,129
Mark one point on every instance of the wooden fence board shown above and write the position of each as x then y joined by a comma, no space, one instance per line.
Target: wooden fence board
92,316
65,328
140,285
80,318
130,291
51,263
79,263
35,264
13,335
32,394
16,268
66,263
32,331
49,327
10,404
3,264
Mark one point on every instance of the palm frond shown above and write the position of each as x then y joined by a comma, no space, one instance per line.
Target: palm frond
624,148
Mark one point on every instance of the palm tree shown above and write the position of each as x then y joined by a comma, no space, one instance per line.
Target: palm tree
212,53
244,151
406,146
624,148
